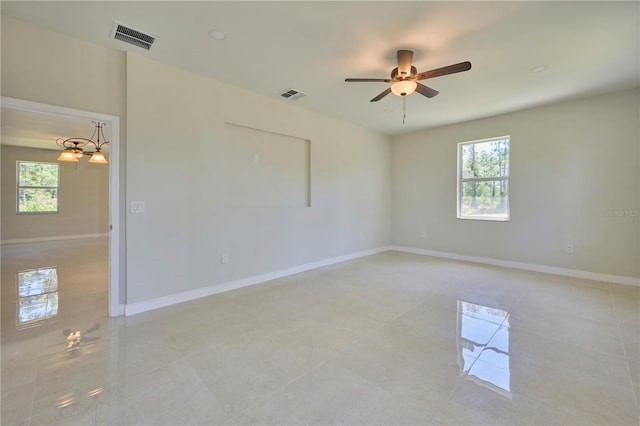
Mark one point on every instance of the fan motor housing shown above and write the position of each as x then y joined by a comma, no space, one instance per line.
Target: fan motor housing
395,76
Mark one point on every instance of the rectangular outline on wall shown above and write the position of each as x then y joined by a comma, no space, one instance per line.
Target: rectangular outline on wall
307,165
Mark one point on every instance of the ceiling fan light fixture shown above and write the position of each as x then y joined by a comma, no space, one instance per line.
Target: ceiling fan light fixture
404,87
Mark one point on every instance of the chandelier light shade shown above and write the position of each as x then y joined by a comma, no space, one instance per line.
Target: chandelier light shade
404,87
98,157
73,148
68,154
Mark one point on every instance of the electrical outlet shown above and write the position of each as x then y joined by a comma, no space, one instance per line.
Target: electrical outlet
568,248
224,258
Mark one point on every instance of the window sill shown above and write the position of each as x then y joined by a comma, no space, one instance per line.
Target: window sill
485,218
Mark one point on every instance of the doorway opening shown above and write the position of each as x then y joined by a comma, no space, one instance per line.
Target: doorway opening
116,306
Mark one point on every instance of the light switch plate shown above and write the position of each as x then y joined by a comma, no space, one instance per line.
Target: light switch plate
137,207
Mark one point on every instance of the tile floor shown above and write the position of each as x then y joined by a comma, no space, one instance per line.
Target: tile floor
388,339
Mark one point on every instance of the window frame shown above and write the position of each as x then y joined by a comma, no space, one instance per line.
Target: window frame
18,187
460,181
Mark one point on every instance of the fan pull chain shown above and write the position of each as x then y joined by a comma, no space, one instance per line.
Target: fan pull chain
404,108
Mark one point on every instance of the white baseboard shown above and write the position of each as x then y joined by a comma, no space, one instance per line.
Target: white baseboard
596,276
55,238
172,299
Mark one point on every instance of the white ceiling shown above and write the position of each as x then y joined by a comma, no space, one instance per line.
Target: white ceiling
588,48
40,130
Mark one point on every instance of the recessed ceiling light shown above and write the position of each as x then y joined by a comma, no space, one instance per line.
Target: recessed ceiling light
539,68
217,35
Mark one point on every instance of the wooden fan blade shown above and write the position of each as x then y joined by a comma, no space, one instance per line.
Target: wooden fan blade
405,58
381,95
438,72
425,90
373,80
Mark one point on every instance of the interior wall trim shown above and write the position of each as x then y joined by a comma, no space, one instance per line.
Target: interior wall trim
575,273
120,309
53,238
173,299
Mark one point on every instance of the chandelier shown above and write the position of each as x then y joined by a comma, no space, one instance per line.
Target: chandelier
73,148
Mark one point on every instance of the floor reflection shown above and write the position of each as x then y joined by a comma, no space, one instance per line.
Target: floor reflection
37,296
75,337
483,346
302,350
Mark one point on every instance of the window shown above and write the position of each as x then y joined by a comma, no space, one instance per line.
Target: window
37,187
483,179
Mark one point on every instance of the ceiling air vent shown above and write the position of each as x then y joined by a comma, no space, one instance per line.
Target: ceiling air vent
129,35
292,95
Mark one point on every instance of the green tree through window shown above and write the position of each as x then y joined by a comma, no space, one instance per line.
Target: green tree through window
38,185
483,179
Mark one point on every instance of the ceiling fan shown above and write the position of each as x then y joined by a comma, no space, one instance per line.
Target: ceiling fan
404,78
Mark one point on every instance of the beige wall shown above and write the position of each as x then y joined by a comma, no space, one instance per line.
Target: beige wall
175,246
43,66
176,165
83,198
574,169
